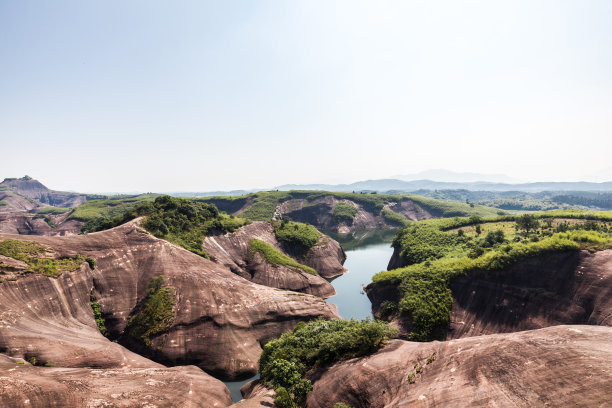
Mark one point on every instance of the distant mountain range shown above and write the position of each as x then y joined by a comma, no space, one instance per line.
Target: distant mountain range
393,185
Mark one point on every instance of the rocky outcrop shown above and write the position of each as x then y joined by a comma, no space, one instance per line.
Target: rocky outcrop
255,395
220,319
32,224
24,385
558,288
556,366
35,190
232,251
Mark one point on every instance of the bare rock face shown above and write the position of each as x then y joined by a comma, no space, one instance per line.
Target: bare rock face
232,251
558,366
255,395
220,319
27,386
561,288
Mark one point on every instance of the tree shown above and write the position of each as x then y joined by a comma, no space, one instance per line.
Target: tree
527,222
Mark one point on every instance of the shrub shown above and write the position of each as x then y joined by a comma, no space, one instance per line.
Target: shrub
97,312
296,235
155,314
284,361
394,218
344,212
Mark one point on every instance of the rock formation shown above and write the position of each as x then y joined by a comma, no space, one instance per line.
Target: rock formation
220,319
556,366
232,251
558,288
27,386
35,190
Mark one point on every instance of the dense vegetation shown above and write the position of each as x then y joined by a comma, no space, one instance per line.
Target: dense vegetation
438,251
35,256
296,236
285,361
275,257
178,220
155,314
344,212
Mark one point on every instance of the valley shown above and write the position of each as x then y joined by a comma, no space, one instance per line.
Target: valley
186,294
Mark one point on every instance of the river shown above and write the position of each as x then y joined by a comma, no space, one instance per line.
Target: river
366,254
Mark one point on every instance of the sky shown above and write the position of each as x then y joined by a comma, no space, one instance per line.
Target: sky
100,96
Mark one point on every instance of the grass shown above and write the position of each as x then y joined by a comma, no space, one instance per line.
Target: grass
284,361
274,257
53,210
156,313
435,256
35,256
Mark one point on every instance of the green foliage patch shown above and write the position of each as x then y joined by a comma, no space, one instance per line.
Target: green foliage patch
34,255
3,203
97,311
394,218
180,221
285,361
344,212
296,235
155,314
50,210
274,257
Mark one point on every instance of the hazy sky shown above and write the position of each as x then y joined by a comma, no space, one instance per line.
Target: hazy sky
198,96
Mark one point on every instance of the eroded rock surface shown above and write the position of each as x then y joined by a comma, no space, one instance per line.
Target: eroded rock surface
27,386
561,288
23,223
220,319
232,251
558,366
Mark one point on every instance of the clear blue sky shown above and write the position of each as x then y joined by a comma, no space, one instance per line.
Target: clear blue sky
197,95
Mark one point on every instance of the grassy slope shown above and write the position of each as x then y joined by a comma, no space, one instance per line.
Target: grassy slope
275,257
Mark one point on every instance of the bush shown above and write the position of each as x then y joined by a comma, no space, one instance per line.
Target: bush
296,236
344,212
394,218
155,314
97,312
285,361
